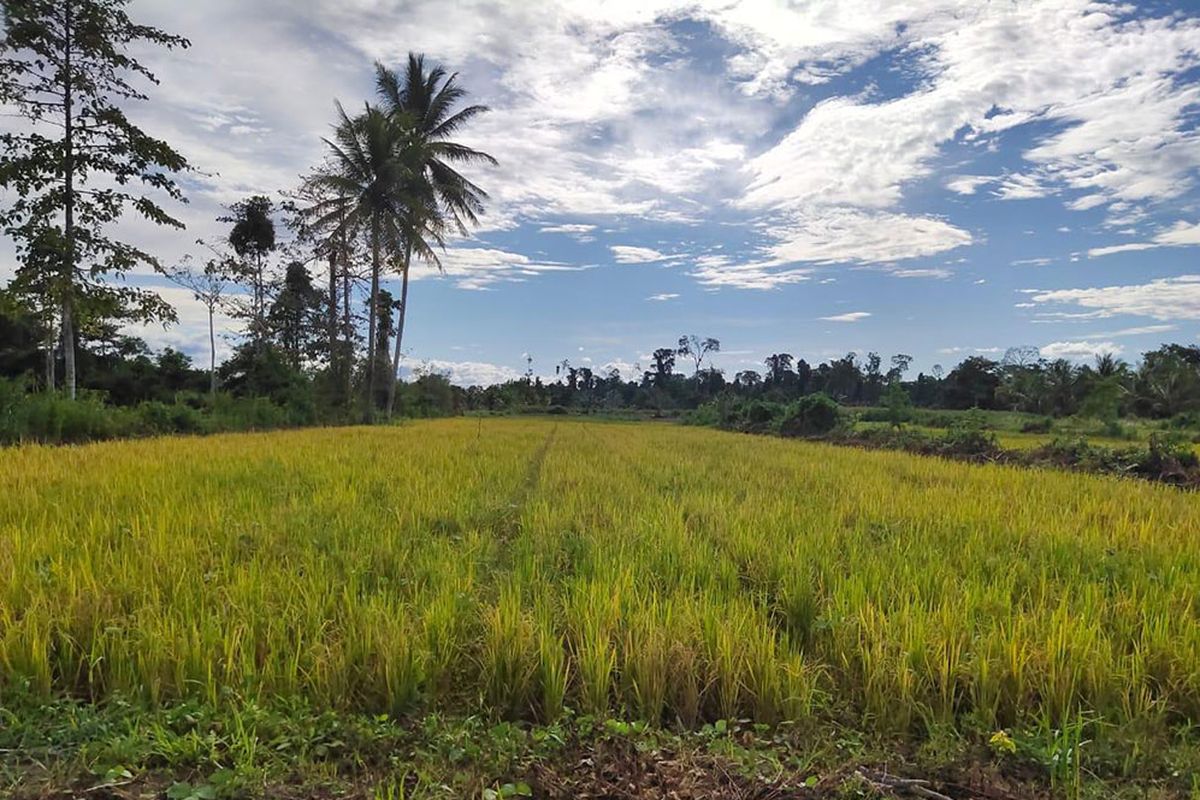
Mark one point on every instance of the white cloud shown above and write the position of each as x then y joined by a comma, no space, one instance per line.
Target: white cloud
626,369
935,272
1131,247
662,297
949,351
628,254
1078,351
852,316
466,373
1181,234
1141,330
1032,262
968,184
481,267
1123,132
569,228
717,271
1163,299
1021,187
840,235
600,110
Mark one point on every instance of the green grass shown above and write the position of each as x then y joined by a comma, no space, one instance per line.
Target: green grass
527,569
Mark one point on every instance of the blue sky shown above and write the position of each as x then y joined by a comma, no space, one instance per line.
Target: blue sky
942,178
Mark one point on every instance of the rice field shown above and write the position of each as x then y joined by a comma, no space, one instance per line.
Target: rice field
670,574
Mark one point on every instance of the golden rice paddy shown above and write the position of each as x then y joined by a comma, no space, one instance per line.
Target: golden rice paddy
667,573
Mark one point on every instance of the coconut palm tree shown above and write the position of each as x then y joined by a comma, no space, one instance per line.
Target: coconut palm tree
368,186
424,102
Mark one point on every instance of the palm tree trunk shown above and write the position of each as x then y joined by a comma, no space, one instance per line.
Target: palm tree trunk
391,400
373,310
347,332
346,356
332,323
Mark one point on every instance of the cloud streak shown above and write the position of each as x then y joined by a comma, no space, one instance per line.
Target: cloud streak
1163,299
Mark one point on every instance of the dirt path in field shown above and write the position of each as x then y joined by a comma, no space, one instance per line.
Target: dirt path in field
508,522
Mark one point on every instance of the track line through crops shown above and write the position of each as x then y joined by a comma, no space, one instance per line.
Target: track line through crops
508,521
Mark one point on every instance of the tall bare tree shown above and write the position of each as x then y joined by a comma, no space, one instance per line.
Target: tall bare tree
208,286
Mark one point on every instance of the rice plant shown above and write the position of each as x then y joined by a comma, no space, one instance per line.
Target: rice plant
677,575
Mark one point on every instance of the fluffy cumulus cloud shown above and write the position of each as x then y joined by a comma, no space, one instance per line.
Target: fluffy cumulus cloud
1079,351
967,184
1163,299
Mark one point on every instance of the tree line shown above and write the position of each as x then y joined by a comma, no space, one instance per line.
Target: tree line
1164,383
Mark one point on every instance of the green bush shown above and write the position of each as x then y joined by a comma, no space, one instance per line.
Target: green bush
897,404
161,418
12,396
1168,454
969,437
1039,425
55,419
908,439
1183,421
873,414
811,415
759,414
709,415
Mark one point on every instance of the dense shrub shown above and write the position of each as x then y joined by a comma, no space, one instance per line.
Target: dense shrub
1078,453
759,415
162,418
709,415
1169,456
1183,421
969,437
55,419
1039,425
811,415
908,439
